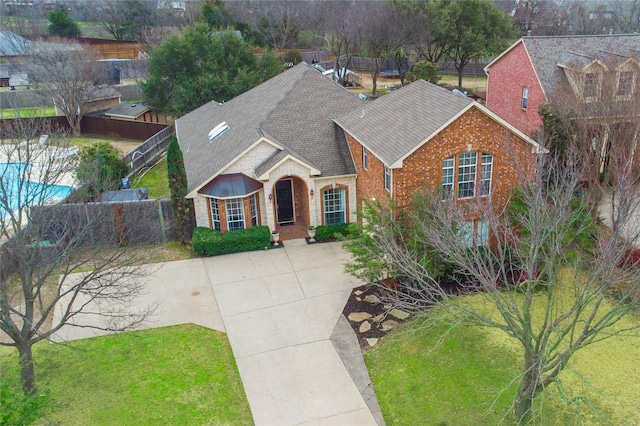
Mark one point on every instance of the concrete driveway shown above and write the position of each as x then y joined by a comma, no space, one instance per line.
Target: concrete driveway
279,309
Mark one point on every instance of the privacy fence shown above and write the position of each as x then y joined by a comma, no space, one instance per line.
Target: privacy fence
147,153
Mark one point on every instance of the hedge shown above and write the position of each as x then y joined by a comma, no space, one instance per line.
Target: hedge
336,231
209,242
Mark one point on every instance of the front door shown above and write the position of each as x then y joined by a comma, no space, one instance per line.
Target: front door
284,201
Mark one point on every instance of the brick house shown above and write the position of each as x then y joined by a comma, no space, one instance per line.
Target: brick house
534,70
423,136
300,149
272,155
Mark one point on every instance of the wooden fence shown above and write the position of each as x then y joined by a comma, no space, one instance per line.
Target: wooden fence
119,129
149,151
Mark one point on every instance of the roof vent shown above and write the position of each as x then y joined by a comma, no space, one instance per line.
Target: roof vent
217,131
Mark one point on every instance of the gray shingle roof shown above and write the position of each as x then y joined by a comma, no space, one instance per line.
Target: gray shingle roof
128,110
395,124
294,109
576,52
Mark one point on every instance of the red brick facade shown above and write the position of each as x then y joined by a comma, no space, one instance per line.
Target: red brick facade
507,78
370,182
473,131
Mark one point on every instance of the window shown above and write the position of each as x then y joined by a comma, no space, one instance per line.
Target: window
485,174
447,178
525,97
235,214
466,233
387,178
482,234
625,83
590,85
467,174
215,216
254,210
334,206
365,158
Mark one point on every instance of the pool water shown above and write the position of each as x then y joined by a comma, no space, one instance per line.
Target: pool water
29,193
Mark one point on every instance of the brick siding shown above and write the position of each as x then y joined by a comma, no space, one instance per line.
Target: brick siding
507,77
473,131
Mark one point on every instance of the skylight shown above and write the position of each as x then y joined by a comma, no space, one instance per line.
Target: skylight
217,131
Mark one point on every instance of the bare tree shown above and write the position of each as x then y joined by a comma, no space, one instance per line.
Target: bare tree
556,285
597,117
385,32
67,74
40,251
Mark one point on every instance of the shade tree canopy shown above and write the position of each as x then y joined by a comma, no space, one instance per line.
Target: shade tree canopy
199,66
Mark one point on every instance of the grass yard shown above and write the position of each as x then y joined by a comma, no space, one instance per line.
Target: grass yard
44,111
427,372
155,179
172,375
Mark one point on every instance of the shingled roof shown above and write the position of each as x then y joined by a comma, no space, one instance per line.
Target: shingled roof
548,54
293,109
394,125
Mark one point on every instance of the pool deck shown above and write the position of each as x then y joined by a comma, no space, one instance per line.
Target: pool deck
62,177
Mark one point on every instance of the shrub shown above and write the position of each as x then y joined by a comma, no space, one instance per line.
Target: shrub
209,242
100,168
20,409
336,231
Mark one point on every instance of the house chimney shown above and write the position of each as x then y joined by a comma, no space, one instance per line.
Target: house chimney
528,33
610,31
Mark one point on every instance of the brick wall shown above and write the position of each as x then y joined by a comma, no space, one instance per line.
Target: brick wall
370,182
473,131
507,77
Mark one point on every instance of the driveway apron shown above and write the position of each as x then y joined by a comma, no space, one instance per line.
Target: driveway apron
279,308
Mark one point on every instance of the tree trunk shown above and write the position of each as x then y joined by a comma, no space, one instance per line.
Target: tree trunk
460,69
527,389
27,371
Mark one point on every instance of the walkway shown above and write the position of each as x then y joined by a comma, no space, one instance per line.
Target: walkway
281,310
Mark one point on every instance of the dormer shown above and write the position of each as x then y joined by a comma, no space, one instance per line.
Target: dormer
585,75
626,76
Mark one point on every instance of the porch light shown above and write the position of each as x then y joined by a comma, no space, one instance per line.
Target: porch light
270,197
311,193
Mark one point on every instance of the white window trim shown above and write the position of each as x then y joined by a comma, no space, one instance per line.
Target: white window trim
631,83
474,174
365,158
448,195
387,178
230,207
525,97
596,90
342,206
254,209
215,214
482,179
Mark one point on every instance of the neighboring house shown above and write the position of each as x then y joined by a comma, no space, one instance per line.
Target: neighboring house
136,112
100,98
271,156
534,70
301,149
424,137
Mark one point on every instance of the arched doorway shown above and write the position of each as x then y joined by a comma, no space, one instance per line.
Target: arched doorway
291,209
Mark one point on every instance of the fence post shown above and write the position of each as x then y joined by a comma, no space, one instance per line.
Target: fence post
161,220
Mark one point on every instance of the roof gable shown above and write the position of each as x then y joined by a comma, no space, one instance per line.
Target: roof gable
293,109
391,127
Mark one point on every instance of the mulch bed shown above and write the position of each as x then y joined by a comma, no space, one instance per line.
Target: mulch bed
366,300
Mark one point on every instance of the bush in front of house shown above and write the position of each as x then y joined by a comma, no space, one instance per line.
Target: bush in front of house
336,231
209,242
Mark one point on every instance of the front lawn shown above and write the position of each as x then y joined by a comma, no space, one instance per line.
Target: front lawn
428,372
155,180
172,375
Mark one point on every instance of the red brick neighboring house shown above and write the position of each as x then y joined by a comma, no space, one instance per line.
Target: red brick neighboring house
423,136
535,69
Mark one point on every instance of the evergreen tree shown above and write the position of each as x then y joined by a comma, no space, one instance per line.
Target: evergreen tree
178,186
61,25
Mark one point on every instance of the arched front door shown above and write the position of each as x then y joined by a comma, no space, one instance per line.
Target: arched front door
285,209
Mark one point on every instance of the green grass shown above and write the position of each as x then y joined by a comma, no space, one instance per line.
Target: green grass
156,180
172,375
44,111
428,372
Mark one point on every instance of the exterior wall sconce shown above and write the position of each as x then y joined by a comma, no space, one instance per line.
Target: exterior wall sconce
270,197
311,193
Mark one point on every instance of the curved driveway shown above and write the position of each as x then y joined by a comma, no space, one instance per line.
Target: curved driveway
279,309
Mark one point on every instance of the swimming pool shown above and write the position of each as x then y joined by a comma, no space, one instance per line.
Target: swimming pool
20,193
